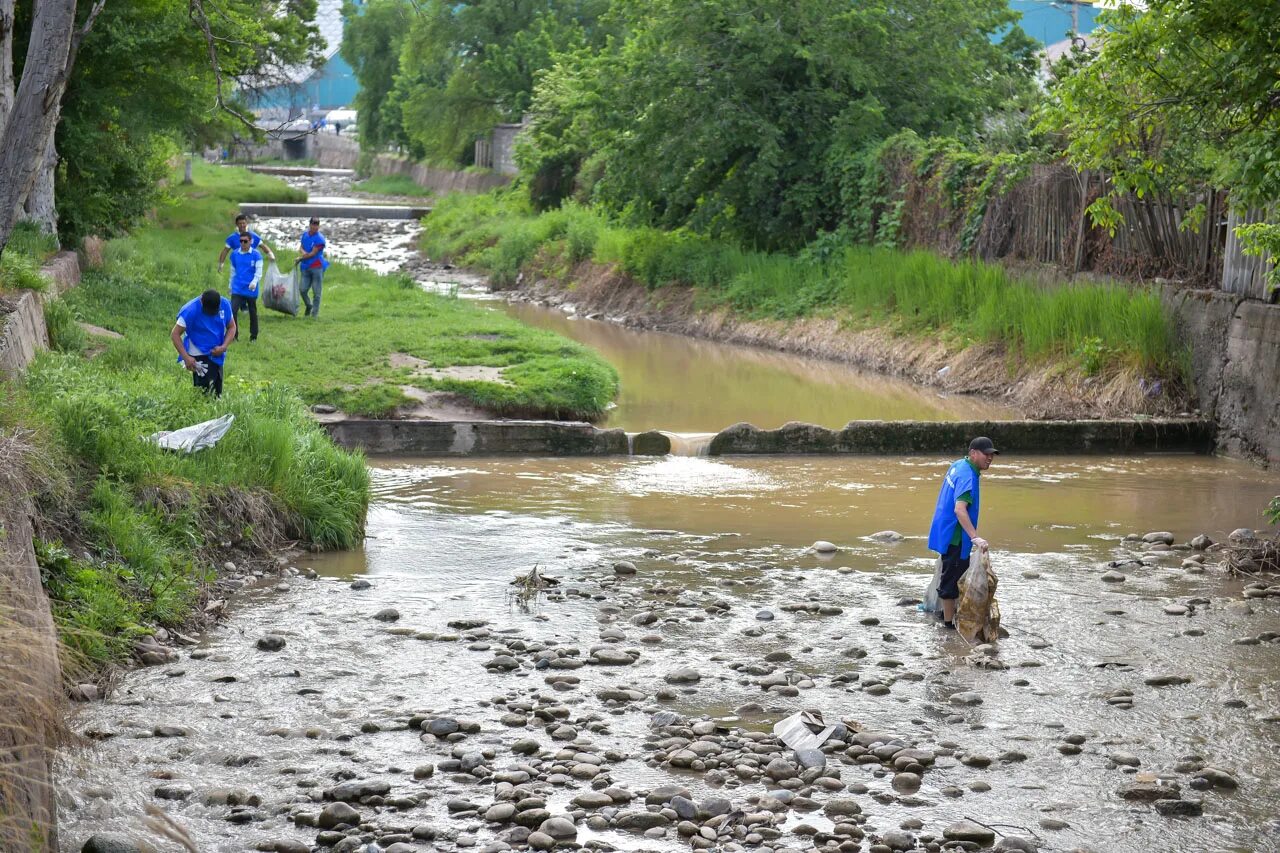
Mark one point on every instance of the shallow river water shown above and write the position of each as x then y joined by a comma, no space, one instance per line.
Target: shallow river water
715,542
569,686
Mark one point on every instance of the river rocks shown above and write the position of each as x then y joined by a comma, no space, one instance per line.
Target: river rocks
337,814
271,643
1242,534
967,830
1162,537
360,583
1179,808
559,828
683,675
1165,680
887,536
1112,577
540,841
387,614
110,842
1148,792
824,547
355,790
174,791
1176,610
623,567
441,726
1218,778
967,697
641,821
841,808
1201,542
608,656
1015,844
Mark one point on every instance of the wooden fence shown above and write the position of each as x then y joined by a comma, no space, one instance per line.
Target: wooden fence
1042,219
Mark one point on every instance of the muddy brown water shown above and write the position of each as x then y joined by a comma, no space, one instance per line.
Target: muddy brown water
681,384
445,540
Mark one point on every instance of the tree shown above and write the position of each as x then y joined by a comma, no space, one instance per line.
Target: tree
372,42
1178,94
32,114
737,117
461,66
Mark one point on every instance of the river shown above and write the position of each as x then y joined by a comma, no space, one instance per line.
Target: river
1037,741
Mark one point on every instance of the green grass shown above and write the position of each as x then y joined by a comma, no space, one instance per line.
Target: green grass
392,185
343,357
1094,326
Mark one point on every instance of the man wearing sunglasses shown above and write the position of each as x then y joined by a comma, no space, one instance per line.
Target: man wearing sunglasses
246,274
232,243
954,531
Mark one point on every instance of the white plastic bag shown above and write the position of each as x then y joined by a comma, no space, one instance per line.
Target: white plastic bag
195,437
282,291
931,603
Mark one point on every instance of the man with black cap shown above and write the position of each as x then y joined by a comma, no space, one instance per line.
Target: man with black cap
954,532
201,335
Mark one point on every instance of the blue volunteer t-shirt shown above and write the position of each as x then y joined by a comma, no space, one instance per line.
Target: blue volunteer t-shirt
310,240
961,477
233,242
246,273
203,332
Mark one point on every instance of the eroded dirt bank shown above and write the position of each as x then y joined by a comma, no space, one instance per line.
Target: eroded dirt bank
1042,391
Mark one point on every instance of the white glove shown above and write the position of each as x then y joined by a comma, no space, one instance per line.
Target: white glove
980,543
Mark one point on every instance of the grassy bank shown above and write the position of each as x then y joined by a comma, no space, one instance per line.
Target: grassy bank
1096,327
345,356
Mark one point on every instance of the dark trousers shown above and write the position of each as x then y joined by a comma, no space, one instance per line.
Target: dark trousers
953,568
211,382
250,302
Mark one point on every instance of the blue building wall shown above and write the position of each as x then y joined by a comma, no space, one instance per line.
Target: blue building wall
1050,22
330,87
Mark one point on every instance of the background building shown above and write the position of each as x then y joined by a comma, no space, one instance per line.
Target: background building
315,90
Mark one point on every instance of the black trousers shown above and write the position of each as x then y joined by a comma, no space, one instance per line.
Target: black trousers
211,382
953,568
250,302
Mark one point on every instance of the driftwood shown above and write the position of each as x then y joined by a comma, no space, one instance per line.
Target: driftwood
1253,557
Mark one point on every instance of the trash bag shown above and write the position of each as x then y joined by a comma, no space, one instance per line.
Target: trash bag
283,290
195,437
978,612
931,603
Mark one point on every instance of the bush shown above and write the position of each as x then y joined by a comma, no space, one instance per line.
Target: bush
65,334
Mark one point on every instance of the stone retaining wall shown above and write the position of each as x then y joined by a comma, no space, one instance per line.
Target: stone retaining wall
343,152
24,333
30,679
477,438
1013,437
1235,365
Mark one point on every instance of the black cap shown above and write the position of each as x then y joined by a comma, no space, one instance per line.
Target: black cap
984,444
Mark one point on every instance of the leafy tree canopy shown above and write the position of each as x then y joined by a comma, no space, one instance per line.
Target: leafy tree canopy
739,117
1179,92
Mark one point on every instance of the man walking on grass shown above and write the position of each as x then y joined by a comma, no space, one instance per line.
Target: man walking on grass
232,242
246,275
313,263
205,328
954,531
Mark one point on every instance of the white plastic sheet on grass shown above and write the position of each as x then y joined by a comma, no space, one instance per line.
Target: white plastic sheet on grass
195,437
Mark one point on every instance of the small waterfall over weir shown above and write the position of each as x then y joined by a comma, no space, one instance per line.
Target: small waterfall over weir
690,443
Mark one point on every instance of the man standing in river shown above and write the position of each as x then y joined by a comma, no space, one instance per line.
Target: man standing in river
954,531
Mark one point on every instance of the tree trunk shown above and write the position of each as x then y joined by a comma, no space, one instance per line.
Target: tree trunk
28,131
186,171
6,60
39,205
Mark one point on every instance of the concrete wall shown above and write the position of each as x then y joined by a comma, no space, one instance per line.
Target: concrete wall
343,152
477,438
31,694
1020,437
24,333
1235,354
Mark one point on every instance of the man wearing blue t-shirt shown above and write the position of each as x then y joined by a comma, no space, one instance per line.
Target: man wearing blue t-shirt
313,263
232,243
954,531
205,328
246,274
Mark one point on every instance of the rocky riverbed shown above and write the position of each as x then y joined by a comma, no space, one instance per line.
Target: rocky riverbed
409,696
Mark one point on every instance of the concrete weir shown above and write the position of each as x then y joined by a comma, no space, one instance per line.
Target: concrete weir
325,210
560,438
